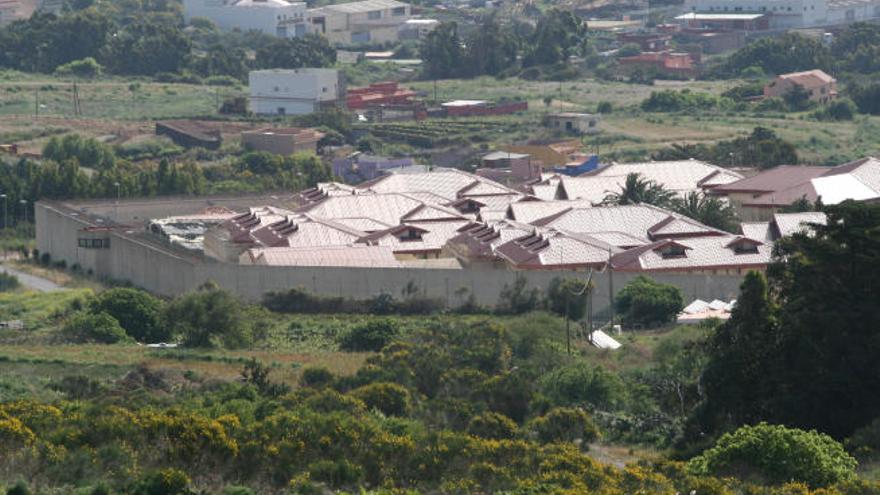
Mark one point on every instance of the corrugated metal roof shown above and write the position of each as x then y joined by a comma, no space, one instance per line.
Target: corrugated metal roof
329,256
364,6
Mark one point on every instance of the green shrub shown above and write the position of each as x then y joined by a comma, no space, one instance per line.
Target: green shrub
335,473
669,100
492,425
371,336
100,328
209,317
329,400
8,282
605,107
865,442
19,488
565,424
165,482
316,377
580,384
87,67
836,111
237,490
139,313
777,454
646,302
389,398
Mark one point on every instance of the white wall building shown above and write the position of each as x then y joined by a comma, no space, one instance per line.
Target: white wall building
273,17
368,21
294,91
786,14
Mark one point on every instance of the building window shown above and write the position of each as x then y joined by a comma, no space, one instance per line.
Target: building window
94,243
672,251
376,14
745,248
398,11
410,235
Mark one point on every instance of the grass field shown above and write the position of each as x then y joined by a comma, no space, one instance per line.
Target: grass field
122,109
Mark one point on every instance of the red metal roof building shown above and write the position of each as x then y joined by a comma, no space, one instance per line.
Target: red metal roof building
665,62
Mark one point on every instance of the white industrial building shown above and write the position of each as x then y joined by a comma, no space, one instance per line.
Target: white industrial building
368,21
789,14
273,17
294,91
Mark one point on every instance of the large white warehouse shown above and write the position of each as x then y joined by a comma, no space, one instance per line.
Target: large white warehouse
273,17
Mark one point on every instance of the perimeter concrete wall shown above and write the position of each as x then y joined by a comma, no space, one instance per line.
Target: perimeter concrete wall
146,263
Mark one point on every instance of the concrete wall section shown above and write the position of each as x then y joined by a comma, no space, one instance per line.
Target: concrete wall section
135,256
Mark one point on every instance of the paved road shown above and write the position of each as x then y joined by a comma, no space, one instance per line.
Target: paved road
36,283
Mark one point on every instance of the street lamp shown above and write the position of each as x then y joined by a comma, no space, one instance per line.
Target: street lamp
23,203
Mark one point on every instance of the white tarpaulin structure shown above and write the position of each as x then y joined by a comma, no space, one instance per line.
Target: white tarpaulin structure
602,340
700,310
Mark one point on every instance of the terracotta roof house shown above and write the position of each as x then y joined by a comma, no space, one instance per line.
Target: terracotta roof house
783,224
728,254
821,87
553,249
757,198
680,177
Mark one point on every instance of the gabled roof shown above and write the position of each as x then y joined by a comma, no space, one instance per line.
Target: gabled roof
786,224
555,249
701,253
529,211
433,236
680,226
679,176
449,184
431,213
330,256
774,179
384,208
477,240
639,221
809,78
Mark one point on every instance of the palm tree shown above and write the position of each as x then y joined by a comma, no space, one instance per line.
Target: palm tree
707,210
637,190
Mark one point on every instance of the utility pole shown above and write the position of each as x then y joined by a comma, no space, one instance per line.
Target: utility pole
435,91
567,325
36,102
116,205
5,217
611,289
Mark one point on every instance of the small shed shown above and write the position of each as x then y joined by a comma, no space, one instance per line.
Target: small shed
574,123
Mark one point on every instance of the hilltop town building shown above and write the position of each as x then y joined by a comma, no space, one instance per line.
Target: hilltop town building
368,21
294,91
273,17
759,197
756,15
820,87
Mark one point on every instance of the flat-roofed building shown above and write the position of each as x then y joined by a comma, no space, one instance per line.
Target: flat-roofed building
574,123
283,140
368,21
294,91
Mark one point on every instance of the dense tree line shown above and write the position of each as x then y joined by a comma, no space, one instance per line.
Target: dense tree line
492,48
62,174
799,348
761,148
454,407
149,44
